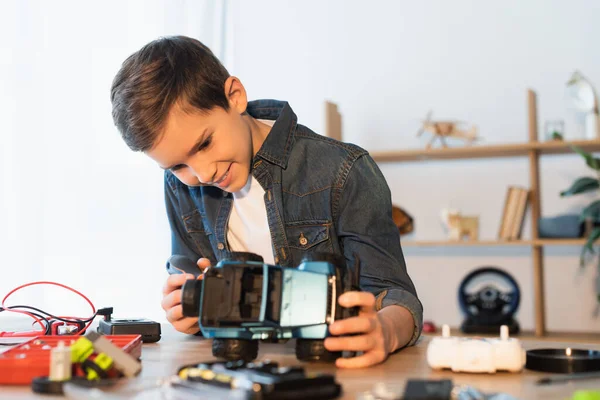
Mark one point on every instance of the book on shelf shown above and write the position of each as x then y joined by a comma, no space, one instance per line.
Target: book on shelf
513,215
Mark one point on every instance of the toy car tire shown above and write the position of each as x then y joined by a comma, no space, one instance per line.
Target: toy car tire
314,350
235,349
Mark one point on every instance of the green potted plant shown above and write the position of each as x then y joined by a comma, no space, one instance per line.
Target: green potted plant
586,184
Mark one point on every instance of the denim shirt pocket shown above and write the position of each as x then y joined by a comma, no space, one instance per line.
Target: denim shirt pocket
307,237
195,227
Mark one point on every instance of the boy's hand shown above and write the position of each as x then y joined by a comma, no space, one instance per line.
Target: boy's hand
367,326
171,301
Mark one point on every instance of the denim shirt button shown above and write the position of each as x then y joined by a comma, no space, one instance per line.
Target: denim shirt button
220,246
303,241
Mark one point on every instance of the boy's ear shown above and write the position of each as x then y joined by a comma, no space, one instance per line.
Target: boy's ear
236,94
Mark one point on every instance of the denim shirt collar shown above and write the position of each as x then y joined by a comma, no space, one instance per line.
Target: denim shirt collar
278,144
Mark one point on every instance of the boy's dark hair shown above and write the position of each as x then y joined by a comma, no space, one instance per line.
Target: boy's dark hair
162,73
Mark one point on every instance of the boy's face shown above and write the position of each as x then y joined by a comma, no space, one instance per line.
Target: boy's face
209,148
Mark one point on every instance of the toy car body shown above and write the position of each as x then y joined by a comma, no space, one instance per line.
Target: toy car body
245,300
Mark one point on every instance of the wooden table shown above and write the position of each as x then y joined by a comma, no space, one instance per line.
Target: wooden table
175,349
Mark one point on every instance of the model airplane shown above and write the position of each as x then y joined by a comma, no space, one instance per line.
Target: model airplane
444,129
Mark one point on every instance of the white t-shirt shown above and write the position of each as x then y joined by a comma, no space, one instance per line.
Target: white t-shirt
248,226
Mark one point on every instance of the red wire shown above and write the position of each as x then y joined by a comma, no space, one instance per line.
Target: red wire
48,283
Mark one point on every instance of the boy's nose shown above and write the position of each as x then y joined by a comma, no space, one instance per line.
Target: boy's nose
204,177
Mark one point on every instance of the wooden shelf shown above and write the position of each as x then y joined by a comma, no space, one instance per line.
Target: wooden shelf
465,243
491,243
559,242
558,147
500,150
532,149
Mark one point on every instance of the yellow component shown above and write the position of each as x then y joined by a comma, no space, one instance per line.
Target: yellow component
81,350
586,395
207,374
103,361
92,375
223,378
184,373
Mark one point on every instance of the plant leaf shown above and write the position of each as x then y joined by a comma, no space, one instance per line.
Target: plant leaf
590,160
594,235
592,212
581,185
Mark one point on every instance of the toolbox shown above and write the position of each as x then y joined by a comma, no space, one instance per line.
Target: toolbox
27,360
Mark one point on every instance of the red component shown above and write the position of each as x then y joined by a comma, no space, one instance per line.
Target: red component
55,324
22,363
429,327
20,334
37,320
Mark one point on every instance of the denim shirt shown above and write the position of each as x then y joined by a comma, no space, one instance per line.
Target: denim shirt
320,195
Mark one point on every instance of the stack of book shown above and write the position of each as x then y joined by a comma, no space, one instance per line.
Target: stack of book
515,206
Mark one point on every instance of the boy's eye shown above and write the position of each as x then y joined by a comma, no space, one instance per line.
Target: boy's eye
206,143
201,147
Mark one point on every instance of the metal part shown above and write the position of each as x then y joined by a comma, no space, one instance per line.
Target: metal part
60,362
332,283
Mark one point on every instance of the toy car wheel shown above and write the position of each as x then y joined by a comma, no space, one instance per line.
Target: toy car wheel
243,256
314,350
235,349
335,259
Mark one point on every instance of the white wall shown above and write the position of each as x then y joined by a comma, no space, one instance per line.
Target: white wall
77,206
386,63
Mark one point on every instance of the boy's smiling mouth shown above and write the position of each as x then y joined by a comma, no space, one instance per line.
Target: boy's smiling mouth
223,178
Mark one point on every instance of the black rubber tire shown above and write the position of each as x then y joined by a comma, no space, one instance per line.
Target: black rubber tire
333,258
191,292
312,350
235,349
243,256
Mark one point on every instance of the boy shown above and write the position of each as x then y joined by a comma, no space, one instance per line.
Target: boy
245,176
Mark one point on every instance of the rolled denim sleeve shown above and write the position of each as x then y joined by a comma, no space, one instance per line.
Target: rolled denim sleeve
181,243
366,229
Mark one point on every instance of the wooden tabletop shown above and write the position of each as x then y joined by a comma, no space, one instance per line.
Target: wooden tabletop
175,350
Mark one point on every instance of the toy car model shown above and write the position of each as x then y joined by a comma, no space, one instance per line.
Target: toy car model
242,300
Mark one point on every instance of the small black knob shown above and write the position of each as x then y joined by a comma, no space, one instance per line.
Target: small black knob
183,264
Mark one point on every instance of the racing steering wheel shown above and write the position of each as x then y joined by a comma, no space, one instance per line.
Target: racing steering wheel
489,297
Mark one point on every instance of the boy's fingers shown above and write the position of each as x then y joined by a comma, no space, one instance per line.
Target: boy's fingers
352,343
364,300
181,324
365,360
171,300
175,281
174,314
360,324
203,263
